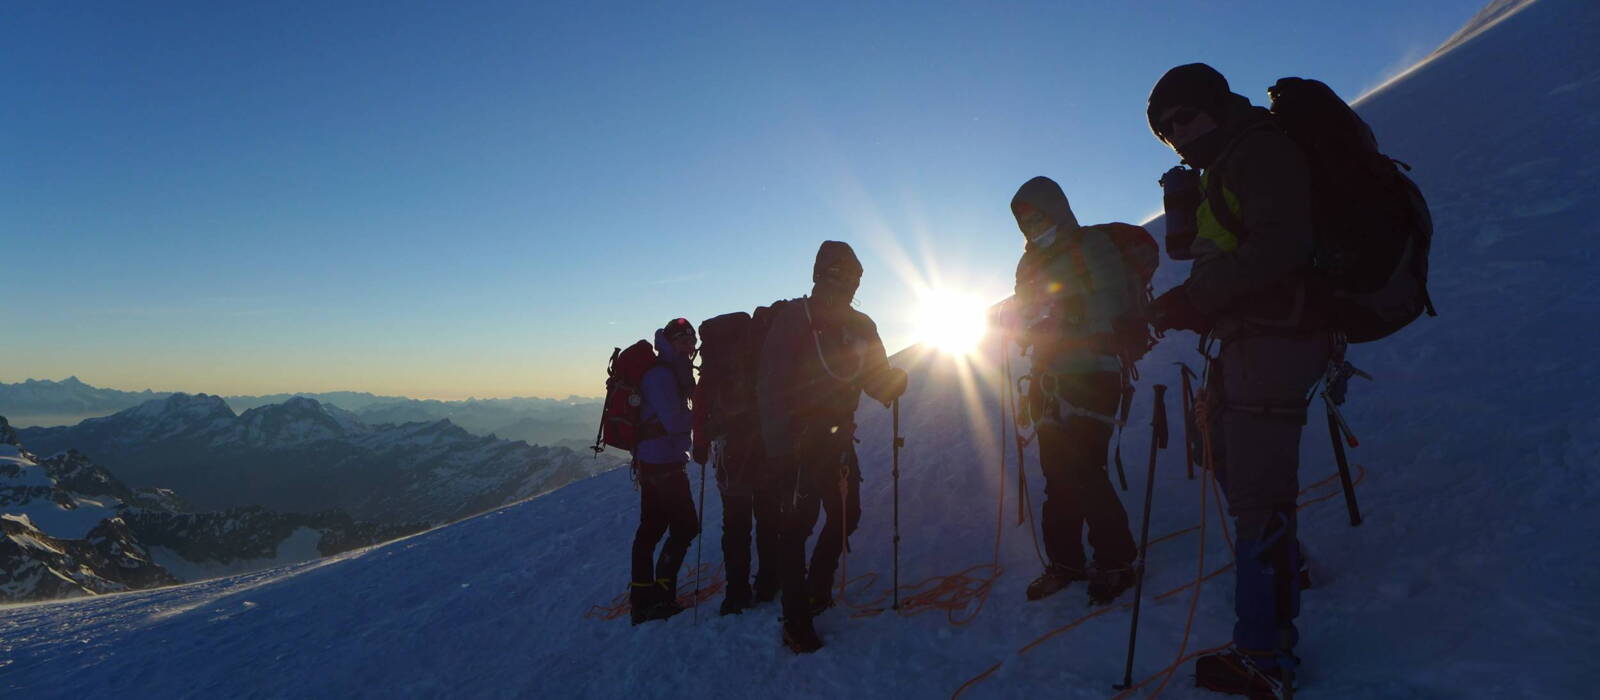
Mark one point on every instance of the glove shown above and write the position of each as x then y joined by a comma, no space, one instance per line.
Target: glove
1180,198
1174,310
1004,317
894,385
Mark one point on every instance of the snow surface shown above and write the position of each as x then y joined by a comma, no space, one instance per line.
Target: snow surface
42,510
299,546
1475,574
67,523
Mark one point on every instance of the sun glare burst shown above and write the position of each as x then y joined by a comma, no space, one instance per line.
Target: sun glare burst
952,321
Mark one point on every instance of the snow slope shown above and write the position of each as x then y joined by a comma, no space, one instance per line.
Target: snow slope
1475,574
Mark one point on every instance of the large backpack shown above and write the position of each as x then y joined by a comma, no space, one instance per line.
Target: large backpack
1371,227
620,422
755,338
1131,338
728,375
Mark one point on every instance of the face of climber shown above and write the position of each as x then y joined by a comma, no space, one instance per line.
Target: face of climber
1181,125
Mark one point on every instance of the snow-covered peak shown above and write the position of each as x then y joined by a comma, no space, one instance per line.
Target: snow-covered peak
296,421
65,496
18,518
198,405
406,435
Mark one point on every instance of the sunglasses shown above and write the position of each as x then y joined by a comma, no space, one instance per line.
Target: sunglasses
1179,118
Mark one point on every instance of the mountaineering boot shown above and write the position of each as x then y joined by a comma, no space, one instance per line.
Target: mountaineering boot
667,602
1105,584
800,636
1054,578
642,599
655,602
1236,673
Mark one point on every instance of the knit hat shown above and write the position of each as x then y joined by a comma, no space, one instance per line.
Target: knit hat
836,260
1194,85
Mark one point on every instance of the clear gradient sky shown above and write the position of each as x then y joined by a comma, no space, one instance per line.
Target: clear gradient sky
449,199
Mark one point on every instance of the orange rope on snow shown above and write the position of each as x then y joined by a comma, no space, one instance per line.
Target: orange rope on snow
953,594
690,593
977,679
1212,485
1202,421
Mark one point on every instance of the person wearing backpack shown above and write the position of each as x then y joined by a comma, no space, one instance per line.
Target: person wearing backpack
1076,303
665,503
725,419
819,355
1246,220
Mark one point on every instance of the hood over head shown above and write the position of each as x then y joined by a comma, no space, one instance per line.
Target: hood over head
1045,195
664,349
682,367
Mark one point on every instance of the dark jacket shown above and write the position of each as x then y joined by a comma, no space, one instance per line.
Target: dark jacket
814,366
1255,274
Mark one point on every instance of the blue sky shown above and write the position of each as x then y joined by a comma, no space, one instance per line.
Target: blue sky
482,198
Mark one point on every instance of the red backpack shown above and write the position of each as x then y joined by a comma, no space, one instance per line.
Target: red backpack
620,424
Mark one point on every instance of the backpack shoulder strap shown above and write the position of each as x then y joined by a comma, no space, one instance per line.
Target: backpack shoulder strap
1036,260
1219,203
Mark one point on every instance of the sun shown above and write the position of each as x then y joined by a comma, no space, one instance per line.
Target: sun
952,321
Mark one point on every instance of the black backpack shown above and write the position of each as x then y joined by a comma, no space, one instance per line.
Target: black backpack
727,374
1372,230
730,363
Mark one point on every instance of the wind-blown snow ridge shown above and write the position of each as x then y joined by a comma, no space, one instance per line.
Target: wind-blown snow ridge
1473,576
1494,13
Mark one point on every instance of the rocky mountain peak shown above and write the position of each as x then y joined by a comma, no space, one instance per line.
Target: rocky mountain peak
187,405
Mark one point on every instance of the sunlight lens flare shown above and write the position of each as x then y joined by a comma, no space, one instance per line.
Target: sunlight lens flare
951,321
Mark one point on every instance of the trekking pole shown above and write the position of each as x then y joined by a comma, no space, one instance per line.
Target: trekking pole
899,442
1335,428
1158,439
700,547
1018,398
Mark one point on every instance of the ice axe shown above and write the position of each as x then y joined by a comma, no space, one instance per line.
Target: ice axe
1336,384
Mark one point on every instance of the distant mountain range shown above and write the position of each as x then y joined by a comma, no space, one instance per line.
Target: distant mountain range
303,456
568,422
181,488
68,527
